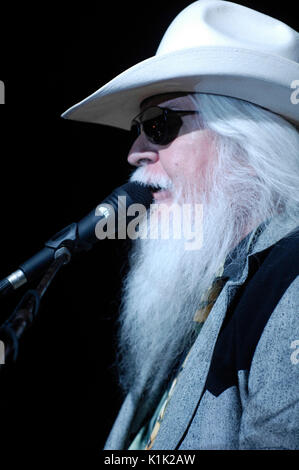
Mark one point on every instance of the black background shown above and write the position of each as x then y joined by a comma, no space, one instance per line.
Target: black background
62,391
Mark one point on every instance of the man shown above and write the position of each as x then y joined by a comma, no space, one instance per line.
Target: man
208,337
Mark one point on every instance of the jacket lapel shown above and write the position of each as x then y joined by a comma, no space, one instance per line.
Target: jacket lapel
120,435
129,420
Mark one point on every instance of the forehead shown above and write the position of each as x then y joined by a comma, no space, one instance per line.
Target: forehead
177,100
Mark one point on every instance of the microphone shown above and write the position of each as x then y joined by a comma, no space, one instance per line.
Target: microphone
82,235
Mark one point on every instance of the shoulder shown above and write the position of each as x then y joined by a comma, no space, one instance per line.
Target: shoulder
279,259
281,333
262,317
270,298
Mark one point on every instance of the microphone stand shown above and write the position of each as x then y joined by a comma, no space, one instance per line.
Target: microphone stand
74,238
26,310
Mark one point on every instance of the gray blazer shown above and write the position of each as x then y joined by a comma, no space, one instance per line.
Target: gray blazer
257,407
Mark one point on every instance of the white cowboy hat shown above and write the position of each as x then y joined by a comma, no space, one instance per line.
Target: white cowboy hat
212,46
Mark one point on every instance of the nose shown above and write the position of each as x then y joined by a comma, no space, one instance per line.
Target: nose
141,154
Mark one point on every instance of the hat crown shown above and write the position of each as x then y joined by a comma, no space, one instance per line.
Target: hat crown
227,24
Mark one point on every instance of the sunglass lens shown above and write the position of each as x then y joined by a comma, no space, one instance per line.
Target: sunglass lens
172,128
160,127
135,131
155,129
153,124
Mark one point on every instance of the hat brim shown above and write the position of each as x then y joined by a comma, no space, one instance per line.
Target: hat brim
250,75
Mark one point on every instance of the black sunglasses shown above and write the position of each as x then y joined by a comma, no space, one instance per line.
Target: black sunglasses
160,125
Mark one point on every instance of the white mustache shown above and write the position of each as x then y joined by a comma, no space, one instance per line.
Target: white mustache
141,175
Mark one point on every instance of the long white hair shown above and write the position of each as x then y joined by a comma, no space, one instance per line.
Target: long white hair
252,137
256,178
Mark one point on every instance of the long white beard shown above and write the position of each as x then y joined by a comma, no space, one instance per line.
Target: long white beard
164,288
